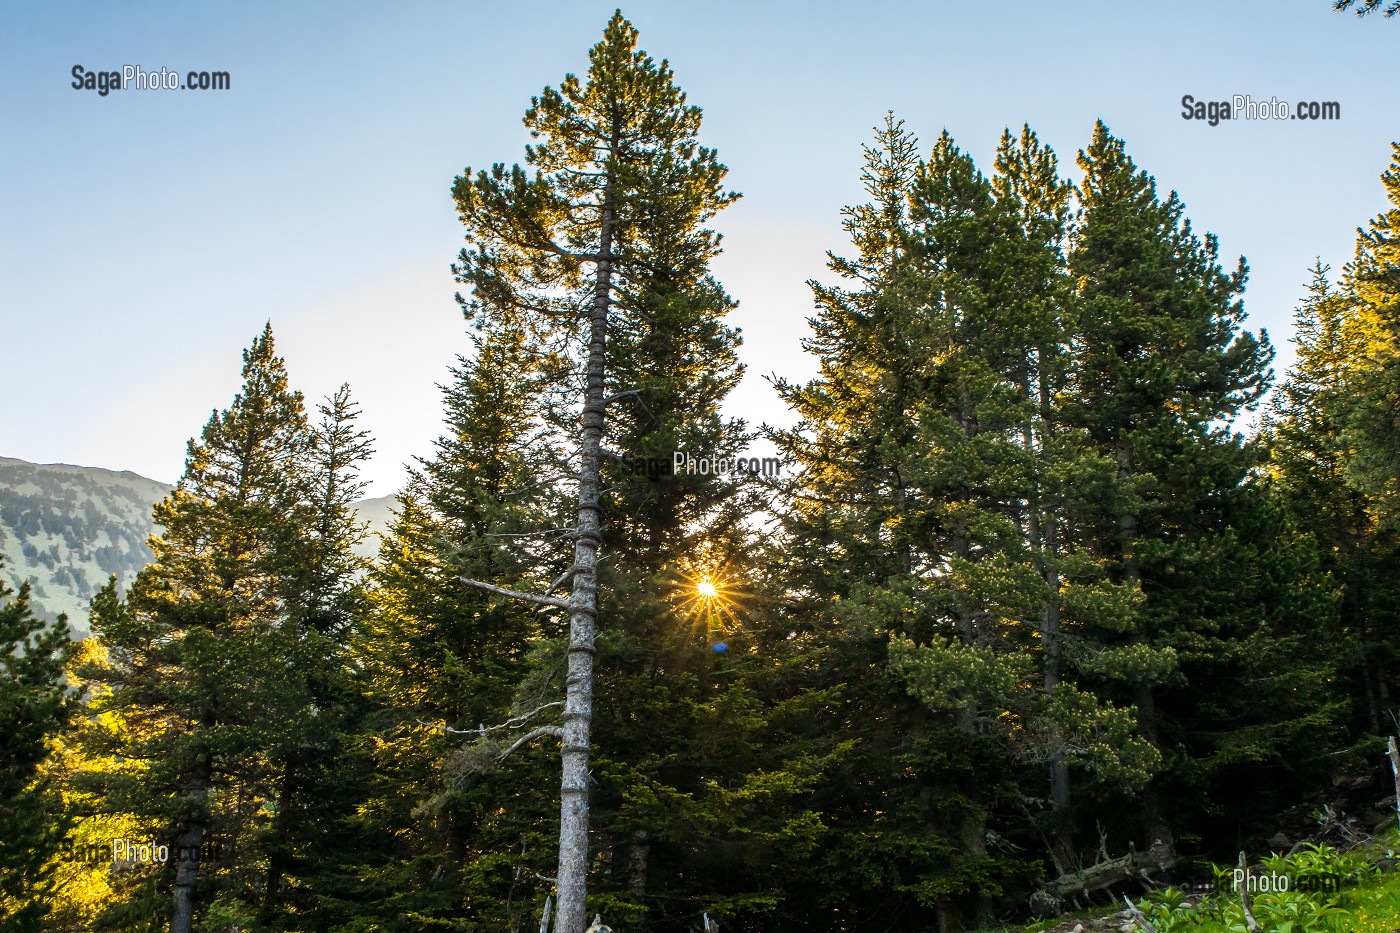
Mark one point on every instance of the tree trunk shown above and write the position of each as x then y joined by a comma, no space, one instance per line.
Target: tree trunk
638,862
1393,753
1061,824
1044,527
187,851
572,878
1158,832
974,839
277,854
949,917
1103,875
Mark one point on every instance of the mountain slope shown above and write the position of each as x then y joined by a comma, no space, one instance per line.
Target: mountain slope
66,529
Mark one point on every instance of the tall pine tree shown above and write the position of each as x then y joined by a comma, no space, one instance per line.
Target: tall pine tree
1164,370
313,768
210,670
618,182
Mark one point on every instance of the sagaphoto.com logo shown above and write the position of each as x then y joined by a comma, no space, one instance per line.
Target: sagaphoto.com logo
134,77
1245,107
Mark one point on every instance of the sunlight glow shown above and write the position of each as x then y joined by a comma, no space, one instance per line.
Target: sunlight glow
706,599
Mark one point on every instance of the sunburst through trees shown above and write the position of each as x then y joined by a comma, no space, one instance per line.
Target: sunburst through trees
707,598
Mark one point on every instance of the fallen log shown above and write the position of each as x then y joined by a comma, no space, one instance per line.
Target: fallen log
1139,866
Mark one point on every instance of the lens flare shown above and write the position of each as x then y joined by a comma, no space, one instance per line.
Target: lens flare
705,596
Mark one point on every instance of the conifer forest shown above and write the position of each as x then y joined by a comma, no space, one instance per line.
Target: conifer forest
1056,602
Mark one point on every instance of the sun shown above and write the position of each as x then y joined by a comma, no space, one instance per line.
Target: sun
706,597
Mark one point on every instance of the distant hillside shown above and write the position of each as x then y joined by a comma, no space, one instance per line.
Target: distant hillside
66,529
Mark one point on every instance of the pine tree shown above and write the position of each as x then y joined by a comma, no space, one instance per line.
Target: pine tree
617,176
844,536
944,503
678,736
1308,414
312,762
1311,459
35,706
1164,368
1006,478
439,654
860,410
1374,282
1369,406
870,524
1330,438
197,664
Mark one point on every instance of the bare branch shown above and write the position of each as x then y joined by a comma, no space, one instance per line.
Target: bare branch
538,600
529,534
1138,918
620,396
530,736
1251,924
513,722
560,581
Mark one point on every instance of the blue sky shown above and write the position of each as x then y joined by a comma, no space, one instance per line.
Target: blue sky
146,236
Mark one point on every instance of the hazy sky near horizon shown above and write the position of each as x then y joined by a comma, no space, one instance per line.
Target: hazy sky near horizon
146,236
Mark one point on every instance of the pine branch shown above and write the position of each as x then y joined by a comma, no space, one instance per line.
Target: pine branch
1366,7
538,600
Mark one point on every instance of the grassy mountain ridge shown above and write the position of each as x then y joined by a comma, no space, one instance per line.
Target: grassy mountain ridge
65,529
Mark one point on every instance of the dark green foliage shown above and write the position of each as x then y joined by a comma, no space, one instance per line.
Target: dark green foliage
451,835
35,706
601,249
1164,368
1332,440
219,678
1373,281
874,533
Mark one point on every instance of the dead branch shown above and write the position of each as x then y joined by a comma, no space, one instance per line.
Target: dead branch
1138,918
548,910
560,581
620,396
1250,923
514,722
529,737
550,601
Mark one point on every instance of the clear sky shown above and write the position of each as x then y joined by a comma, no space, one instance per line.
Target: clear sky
146,236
